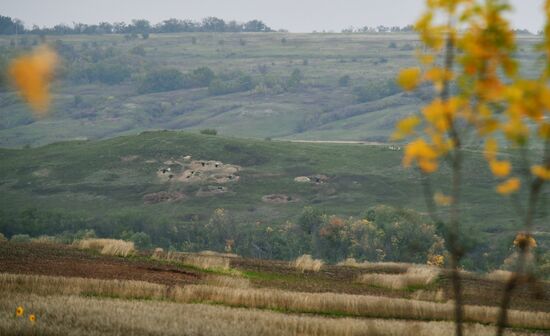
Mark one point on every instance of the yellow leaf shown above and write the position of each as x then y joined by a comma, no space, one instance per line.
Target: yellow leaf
409,78
443,199
509,186
541,172
423,154
405,127
500,168
491,149
32,75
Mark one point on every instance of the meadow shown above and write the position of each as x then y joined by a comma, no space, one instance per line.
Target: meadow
116,188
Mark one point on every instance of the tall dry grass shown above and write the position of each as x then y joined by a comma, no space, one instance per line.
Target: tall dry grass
327,303
227,281
499,275
202,261
307,263
416,276
113,247
71,315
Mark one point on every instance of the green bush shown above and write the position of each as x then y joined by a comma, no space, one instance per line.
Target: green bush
209,131
344,80
161,80
141,240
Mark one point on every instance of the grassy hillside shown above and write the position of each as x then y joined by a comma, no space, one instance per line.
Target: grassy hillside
115,186
98,95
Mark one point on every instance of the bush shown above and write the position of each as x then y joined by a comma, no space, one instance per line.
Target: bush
220,87
20,238
138,50
200,77
3,238
209,131
108,73
376,90
141,240
344,81
161,80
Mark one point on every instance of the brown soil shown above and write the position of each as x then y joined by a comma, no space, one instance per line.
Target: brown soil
163,196
60,260
341,279
278,199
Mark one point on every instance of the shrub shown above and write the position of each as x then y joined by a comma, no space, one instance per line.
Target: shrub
209,131
138,50
160,80
3,238
344,80
20,238
141,240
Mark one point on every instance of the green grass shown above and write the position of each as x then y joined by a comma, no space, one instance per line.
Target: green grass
78,184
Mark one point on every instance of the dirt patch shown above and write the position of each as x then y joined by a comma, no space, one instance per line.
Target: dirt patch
163,196
278,199
129,158
44,172
209,172
61,260
211,191
198,172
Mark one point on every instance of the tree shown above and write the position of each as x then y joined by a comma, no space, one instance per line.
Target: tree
471,94
9,26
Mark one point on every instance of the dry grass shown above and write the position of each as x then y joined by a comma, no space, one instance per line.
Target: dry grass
202,261
307,263
70,315
217,254
499,275
227,281
416,276
113,247
327,303
384,267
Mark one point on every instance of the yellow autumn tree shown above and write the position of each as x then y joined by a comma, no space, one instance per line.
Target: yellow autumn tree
478,90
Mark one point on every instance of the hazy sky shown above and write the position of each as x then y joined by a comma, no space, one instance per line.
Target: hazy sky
294,15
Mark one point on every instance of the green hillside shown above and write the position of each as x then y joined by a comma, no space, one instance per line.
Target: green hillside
277,85
117,187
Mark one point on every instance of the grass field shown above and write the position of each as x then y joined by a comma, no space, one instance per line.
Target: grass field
60,286
106,185
319,109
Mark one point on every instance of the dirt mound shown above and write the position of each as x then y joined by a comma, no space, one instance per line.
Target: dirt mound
211,191
278,199
163,196
209,172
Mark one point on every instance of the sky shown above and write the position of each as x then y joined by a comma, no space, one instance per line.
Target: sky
293,15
